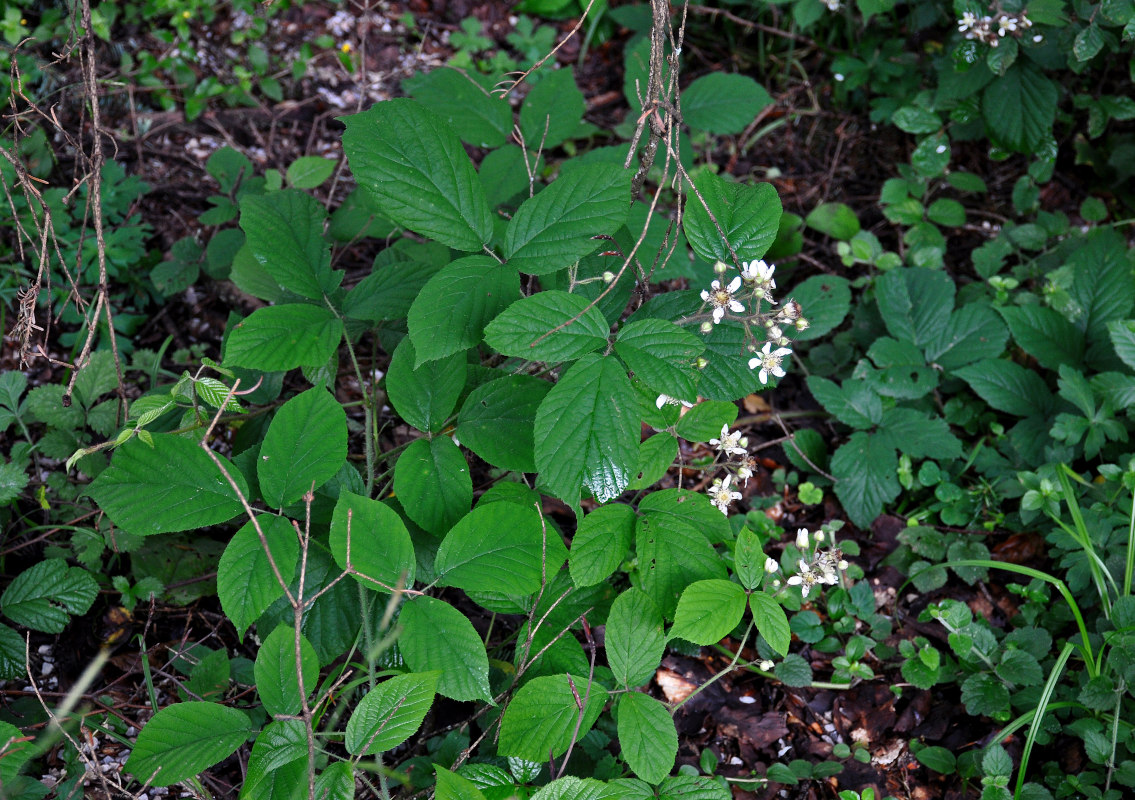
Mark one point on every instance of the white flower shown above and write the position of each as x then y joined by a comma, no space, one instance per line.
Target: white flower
819,535
1006,25
667,400
967,22
728,443
802,539
744,472
721,495
758,271
771,565
840,77
769,361
805,580
722,299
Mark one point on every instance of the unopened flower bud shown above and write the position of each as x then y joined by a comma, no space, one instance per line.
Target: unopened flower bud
819,536
720,267
771,565
776,583
774,332
707,327
743,441
842,564
802,324
767,665
702,362
608,277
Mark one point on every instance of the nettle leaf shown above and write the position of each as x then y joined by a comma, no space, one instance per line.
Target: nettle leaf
825,300
771,621
390,713
1008,387
601,542
479,118
672,545
431,479
749,216
424,395
279,338
915,303
854,403
436,636
284,232
246,582
1045,335
647,736
305,446
661,355
450,314
497,421
170,486
499,547
557,227
1020,106
917,435
974,332
634,639
866,480
708,611
185,739
415,167
552,111
530,328
277,681
587,433
43,596
723,103
543,719
380,548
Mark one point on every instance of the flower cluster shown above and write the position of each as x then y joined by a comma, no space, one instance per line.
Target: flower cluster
823,567
730,444
991,29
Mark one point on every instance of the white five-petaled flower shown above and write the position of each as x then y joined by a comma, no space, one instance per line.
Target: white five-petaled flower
721,495
967,22
769,361
805,580
729,443
722,299
1006,25
771,565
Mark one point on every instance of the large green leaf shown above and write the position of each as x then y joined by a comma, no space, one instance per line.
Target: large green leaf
284,232
433,484
854,403
974,332
451,786
1020,107
919,436
825,301
479,118
749,216
1101,281
647,736
424,395
381,551
279,338
246,582
555,228
416,168
673,545
1045,335
43,596
587,432
172,485
277,767
305,446
771,621
1008,387
436,636
634,639
692,787
723,103
183,739
662,356
552,111
390,713
497,421
708,611
499,547
12,659
452,310
915,303
865,471
543,718
531,328
277,681
601,542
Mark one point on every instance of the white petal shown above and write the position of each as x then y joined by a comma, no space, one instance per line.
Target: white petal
734,285
763,376
777,371
718,314
754,363
704,296
736,307
795,580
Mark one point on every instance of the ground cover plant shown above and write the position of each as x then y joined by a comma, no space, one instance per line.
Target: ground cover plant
453,495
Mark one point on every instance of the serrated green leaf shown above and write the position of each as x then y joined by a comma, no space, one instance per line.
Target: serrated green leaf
12,658
913,119
381,551
184,739
436,636
866,480
587,433
284,233
43,596
425,395
748,215
246,581
634,639
723,103
557,227
454,787
984,695
854,403
497,421
708,611
973,332
794,671
915,303
1020,106
726,375
479,118
1008,387
531,328
304,447
545,717
939,759
277,681
917,435
499,547
170,486
279,338
450,314
390,713
415,167
661,355
13,480
213,392
655,457
771,621
1045,335
601,542
279,758
552,111
389,291
432,481
825,301
1101,281
1020,668
647,735
903,372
